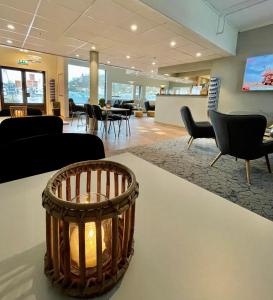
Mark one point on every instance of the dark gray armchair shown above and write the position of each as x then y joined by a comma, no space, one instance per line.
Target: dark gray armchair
195,129
241,136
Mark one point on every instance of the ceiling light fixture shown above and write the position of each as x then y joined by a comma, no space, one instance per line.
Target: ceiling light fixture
23,50
93,47
133,27
132,67
173,43
128,56
167,74
198,54
77,55
10,26
9,41
109,62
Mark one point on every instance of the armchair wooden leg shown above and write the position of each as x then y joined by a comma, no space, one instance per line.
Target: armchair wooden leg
216,158
190,142
248,172
268,163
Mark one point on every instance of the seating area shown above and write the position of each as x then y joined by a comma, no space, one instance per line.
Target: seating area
136,150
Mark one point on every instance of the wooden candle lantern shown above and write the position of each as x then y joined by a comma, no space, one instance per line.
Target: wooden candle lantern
90,217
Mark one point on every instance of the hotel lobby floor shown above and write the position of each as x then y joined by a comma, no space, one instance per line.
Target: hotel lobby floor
143,131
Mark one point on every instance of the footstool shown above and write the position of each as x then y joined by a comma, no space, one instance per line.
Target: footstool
151,113
139,113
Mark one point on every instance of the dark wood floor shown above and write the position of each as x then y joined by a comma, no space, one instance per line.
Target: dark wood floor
143,131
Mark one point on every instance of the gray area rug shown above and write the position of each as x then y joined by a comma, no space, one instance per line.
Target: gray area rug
226,178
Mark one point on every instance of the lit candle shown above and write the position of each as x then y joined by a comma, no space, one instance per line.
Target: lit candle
90,244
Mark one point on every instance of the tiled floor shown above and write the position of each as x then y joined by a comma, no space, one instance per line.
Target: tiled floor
143,131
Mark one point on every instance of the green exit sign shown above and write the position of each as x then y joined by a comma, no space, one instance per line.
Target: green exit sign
22,62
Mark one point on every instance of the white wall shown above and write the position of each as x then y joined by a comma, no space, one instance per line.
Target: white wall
167,109
62,88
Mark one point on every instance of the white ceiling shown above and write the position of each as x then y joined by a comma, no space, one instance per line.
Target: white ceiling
245,14
72,27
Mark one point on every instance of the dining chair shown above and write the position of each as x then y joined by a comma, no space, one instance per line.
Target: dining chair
195,129
89,115
76,111
125,116
241,136
104,118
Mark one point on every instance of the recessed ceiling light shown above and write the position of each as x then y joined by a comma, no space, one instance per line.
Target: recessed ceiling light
10,26
109,62
132,67
173,43
153,63
152,71
77,55
9,41
23,50
198,54
167,74
128,56
93,47
133,27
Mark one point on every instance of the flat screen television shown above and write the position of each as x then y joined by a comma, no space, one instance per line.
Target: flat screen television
259,73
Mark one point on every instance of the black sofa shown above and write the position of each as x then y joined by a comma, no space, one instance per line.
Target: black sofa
149,105
129,104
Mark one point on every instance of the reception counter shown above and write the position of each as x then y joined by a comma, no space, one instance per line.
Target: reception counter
167,108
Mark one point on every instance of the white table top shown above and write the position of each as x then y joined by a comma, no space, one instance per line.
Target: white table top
217,250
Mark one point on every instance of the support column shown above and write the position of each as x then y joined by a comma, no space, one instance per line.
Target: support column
94,84
94,77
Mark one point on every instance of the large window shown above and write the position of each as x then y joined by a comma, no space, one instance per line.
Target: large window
122,91
151,92
78,83
102,83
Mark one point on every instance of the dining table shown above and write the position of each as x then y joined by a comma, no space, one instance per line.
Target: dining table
190,244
